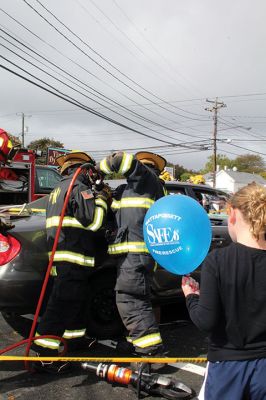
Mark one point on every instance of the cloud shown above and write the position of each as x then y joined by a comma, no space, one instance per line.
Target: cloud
157,60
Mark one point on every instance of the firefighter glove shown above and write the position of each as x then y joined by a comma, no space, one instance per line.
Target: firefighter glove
105,193
99,171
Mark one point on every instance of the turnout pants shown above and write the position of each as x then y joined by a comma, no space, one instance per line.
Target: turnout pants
134,305
65,314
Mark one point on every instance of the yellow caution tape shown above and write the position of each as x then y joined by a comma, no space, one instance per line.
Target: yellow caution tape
165,360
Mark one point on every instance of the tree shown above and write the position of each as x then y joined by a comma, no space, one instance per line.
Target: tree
178,171
252,163
263,174
185,176
43,144
221,160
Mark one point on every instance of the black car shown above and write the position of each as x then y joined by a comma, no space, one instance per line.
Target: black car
24,259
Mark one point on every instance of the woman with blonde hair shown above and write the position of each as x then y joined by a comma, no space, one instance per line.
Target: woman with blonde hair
230,305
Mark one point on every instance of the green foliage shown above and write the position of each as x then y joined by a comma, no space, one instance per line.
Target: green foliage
178,171
252,163
263,174
43,144
221,160
185,176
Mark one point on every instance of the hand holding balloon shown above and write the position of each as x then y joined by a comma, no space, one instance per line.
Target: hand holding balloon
177,233
189,286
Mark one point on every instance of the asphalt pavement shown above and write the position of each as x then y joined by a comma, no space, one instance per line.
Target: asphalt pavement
181,338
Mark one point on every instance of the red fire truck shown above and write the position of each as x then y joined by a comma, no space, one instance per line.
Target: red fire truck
21,180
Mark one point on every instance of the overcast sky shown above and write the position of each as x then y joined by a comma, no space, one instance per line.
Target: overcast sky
136,75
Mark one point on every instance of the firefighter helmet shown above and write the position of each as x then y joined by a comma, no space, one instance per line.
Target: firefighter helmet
5,145
147,157
166,176
197,179
74,158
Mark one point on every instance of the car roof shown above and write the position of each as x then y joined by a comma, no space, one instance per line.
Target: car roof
194,186
114,183
41,166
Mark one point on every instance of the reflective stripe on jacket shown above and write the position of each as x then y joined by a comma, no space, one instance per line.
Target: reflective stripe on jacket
72,257
131,201
71,222
83,217
127,202
128,247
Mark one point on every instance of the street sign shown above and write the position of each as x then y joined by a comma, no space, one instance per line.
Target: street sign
170,170
53,153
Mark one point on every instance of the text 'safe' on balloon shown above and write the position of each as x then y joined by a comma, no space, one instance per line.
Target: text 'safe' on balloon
177,232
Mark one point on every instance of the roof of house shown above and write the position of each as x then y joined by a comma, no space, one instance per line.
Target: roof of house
244,177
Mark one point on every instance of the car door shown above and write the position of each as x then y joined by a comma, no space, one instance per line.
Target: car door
45,181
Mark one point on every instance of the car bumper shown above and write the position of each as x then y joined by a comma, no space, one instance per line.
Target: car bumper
19,292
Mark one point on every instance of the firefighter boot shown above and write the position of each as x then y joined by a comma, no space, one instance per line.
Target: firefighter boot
80,344
151,366
52,367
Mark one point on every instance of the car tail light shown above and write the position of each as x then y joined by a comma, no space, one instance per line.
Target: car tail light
9,248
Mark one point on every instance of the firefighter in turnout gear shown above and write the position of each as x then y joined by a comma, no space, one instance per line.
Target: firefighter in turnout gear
130,204
74,257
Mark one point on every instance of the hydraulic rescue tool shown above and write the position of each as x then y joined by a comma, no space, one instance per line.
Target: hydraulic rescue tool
142,381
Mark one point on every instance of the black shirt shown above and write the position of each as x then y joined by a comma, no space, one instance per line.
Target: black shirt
231,307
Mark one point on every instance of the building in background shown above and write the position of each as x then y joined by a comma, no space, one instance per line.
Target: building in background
233,180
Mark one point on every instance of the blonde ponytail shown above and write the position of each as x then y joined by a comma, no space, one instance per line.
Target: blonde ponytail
251,201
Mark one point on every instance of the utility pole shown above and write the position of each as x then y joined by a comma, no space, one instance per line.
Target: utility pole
23,127
214,109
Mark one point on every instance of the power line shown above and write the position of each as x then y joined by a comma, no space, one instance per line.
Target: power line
126,48
123,116
244,148
50,62
78,104
134,113
249,140
245,116
245,95
147,41
80,66
237,128
96,77
97,63
230,152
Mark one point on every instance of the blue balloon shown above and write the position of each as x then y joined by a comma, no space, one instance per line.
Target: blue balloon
177,232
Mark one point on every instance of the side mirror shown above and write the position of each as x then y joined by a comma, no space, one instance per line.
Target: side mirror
39,153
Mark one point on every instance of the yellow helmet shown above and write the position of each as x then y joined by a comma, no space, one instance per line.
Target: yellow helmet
197,179
147,157
73,158
165,176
